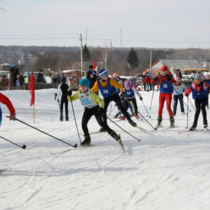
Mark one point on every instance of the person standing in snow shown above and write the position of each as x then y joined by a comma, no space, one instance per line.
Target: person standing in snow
14,71
200,91
8,103
166,90
40,77
107,87
130,98
91,76
207,80
178,95
147,82
93,105
62,98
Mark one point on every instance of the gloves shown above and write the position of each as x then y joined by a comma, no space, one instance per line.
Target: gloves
187,94
122,95
58,100
155,78
169,79
69,93
141,98
13,116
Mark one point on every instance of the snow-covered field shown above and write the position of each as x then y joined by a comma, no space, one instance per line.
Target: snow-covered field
166,170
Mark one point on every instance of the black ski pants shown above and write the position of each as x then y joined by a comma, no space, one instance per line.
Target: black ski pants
63,101
180,98
200,104
133,101
88,113
116,99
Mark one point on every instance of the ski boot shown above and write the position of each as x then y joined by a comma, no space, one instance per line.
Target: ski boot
61,117
102,130
132,123
67,118
86,141
122,118
136,116
172,121
174,114
117,138
193,127
159,121
205,124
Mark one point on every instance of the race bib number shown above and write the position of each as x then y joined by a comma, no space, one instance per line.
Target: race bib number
85,101
165,85
105,91
129,93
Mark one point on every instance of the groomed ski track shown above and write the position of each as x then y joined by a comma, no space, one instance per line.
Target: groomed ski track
164,171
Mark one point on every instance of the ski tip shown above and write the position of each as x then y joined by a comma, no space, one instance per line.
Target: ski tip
155,129
139,140
24,146
75,145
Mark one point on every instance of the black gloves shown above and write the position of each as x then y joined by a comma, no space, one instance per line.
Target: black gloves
155,78
122,95
141,98
12,117
187,94
69,93
169,79
101,110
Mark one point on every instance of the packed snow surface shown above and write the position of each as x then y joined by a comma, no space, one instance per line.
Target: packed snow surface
166,170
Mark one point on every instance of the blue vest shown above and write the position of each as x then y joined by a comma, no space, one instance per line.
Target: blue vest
199,94
129,93
108,90
167,86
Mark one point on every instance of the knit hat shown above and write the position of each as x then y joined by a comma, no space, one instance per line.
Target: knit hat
127,83
91,67
40,70
63,79
84,82
103,73
164,68
198,76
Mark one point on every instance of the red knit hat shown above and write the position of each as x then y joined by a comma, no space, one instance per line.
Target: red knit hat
164,68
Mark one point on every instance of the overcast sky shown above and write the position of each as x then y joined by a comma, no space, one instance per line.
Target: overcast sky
144,23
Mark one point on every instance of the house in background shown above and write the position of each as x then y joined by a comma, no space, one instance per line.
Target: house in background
185,65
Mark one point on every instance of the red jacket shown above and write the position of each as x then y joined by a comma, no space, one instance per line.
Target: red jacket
7,102
147,80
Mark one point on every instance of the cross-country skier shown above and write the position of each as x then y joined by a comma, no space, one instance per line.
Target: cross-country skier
166,90
130,97
200,91
207,80
62,98
178,95
7,102
107,87
94,105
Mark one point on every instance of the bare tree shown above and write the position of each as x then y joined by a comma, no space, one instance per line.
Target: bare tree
2,9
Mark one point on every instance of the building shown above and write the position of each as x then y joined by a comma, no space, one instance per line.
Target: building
185,65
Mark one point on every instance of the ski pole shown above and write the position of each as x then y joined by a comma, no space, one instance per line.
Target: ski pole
46,133
187,111
191,104
142,116
124,130
152,97
75,120
23,147
146,109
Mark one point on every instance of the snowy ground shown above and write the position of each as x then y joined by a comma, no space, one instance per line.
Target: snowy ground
165,171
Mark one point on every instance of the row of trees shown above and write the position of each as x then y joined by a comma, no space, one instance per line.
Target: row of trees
125,60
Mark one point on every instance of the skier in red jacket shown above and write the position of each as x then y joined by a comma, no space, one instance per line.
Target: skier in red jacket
7,102
147,83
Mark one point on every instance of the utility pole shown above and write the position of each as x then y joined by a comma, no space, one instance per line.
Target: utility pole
80,39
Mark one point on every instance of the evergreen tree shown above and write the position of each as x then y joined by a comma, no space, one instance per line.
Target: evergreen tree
86,54
132,59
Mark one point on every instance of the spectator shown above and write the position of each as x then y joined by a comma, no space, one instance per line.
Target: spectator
4,82
13,75
91,77
21,80
40,77
192,75
54,79
58,78
147,82
179,74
